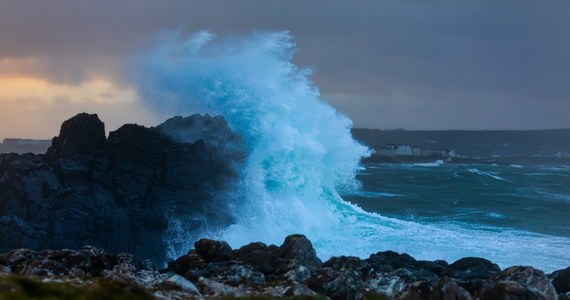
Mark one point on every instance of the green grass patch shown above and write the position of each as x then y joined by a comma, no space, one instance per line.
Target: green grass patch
24,288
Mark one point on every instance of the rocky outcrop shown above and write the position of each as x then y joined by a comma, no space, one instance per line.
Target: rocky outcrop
214,269
119,193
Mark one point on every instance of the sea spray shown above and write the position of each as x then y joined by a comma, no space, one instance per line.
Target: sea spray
300,149
300,155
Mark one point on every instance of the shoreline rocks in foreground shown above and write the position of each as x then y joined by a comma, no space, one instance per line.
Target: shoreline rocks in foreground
214,269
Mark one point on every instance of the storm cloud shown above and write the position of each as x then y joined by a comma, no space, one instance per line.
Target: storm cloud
385,64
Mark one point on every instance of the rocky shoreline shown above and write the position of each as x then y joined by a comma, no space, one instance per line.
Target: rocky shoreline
293,269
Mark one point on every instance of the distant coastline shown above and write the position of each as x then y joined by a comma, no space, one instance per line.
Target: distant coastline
529,147
21,146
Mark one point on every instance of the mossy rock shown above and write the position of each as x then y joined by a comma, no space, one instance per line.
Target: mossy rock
22,288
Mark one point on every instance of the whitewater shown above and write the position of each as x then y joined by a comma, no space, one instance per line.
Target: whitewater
302,157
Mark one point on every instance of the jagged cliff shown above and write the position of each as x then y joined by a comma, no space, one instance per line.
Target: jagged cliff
120,192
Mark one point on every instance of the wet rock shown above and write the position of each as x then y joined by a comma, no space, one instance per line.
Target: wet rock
561,280
447,289
17,256
239,274
438,267
343,263
214,131
474,268
336,284
70,258
385,284
521,283
187,262
387,261
410,275
296,290
298,250
473,274
5,270
298,274
564,296
124,264
259,256
420,290
182,284
212,250
214,288
235,274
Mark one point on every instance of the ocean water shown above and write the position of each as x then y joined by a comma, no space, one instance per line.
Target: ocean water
526,198
522,205
302,172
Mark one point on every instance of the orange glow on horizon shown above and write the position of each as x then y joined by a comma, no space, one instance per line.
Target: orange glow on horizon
34,108
96,90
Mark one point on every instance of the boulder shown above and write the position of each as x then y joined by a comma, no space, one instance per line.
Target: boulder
337,284
212,250
520,283
561,280
297,250
448,289
258,255
474,267
389,260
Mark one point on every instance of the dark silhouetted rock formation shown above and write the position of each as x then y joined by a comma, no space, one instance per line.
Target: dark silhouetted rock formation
118,193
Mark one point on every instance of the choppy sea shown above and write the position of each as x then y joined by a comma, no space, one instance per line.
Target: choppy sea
501,198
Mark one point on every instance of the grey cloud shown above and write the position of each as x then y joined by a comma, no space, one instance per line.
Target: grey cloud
413,64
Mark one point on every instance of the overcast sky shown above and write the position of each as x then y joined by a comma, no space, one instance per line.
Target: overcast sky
385,64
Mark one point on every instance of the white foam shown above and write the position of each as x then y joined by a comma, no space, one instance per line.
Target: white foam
479,172
367,194
437,163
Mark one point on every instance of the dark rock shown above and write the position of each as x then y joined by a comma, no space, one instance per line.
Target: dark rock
261,257
521,283
410,275
71,258
179,283
564,296
336,284
475,267
561,280
214,131
185,263
389,260
83,134
214,250
386,284
213,270
420,290
447,289
473,274
216,289
298,250
235,274
4,270
438,267
298,274
344,263
121,194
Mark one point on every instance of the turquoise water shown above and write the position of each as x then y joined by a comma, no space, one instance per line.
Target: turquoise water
526,198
